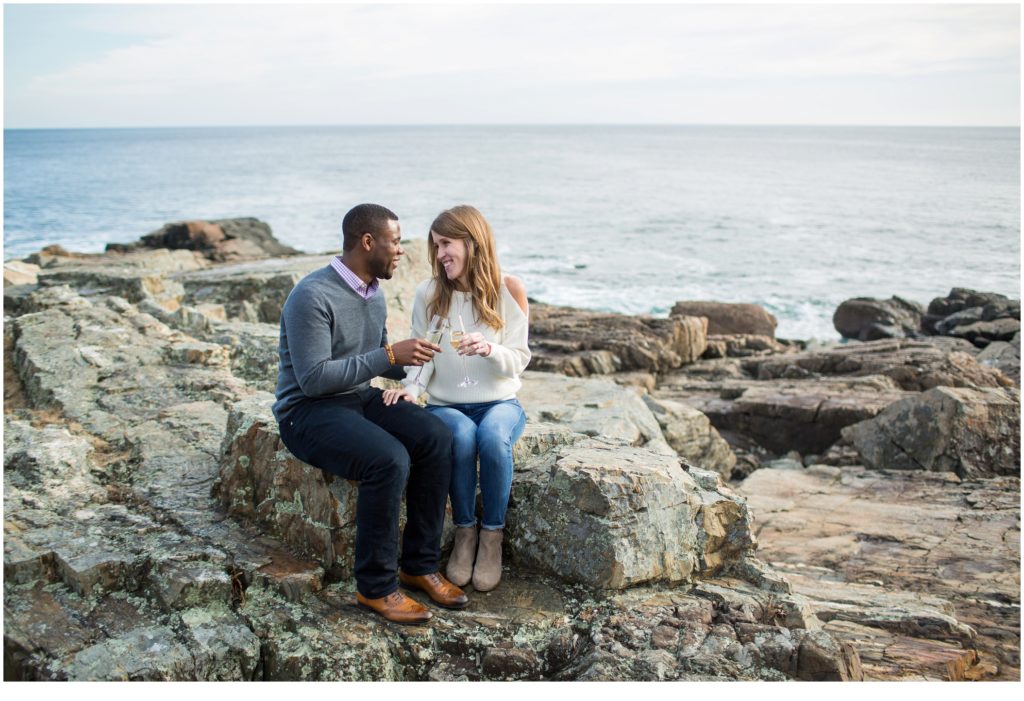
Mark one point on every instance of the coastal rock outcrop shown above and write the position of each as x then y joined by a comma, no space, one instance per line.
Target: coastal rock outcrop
972,432
578,343
742,345
913,365
729,319
868,319
123,406
986,320
963,308
806,415
219,240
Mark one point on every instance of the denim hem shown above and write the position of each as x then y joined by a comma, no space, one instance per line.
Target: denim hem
491,528
468,525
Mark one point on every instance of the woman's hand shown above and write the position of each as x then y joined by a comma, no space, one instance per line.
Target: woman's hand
474,344
391,396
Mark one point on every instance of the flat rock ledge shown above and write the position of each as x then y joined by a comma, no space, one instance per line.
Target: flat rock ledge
919,570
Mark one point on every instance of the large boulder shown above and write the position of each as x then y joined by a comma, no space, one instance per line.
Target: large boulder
979,317
609,516
577,342
728,318
972,432
262,483
994,305
867,319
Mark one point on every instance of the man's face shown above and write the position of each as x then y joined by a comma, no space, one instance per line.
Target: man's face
387,249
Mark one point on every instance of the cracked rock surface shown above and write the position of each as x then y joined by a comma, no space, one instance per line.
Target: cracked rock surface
919,571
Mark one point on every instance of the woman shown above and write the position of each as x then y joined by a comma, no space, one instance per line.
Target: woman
486,419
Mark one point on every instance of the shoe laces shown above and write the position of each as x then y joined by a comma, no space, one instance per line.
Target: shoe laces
394,597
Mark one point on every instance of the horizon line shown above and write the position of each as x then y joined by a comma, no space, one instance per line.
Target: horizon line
517,124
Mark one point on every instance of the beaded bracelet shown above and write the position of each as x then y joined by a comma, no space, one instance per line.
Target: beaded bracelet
391,353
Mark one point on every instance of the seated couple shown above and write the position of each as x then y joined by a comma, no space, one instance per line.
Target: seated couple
333,342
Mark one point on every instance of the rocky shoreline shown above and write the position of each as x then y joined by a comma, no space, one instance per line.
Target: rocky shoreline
693,498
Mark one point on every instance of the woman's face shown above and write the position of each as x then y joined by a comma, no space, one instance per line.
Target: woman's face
451,253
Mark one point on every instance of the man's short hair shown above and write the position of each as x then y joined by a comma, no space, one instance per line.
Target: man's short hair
364,219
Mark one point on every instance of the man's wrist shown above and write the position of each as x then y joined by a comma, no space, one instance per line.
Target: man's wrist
391,354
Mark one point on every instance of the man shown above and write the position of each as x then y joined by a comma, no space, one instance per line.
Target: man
333,342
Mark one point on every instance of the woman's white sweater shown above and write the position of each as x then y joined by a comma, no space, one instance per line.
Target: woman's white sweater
497,375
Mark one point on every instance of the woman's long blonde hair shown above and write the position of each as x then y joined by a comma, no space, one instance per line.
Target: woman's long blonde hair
483,275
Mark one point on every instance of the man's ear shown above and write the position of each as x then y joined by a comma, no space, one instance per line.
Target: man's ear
367,242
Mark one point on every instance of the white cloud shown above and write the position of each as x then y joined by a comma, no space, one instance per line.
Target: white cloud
318,60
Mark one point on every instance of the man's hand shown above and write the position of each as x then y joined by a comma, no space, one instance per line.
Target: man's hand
391,396
414,351
474,344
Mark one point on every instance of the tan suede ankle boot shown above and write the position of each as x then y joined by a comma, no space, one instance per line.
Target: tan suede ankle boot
487,570
460,564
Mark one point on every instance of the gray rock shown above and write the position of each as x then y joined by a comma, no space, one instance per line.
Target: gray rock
1003,356
224,647
867,319
609,516
146,654
692,436
981,333
973,432
591,406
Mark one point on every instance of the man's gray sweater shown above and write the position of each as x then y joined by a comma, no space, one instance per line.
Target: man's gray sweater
332,341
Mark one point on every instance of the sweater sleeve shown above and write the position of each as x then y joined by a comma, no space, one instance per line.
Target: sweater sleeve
307,320
512,355
419,330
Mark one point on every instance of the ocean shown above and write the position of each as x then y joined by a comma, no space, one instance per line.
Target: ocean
619,218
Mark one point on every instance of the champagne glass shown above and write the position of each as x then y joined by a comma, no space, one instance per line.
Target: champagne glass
456,338
434,333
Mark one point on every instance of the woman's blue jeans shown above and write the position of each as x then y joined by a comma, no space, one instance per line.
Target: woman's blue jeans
488,430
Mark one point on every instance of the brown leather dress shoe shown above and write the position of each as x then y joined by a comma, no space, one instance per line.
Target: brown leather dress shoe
443,592
397,608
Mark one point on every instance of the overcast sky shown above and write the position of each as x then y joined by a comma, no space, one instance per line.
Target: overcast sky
185,65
